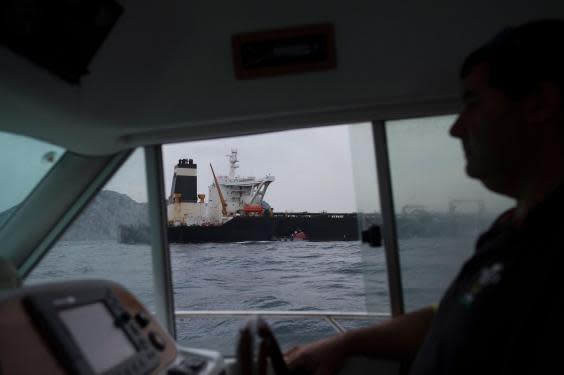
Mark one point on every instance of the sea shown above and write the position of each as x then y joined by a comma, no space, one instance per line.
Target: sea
295,276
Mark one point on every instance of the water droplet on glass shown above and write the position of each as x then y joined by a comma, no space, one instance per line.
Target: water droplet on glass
49,157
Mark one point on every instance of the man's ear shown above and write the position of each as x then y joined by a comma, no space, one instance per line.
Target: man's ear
545,104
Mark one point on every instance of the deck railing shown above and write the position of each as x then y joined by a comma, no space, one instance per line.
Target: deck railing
331,317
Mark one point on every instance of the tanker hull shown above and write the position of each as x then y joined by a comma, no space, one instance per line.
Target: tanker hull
238,229
317,227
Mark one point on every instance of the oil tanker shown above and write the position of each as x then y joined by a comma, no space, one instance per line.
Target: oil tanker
235,211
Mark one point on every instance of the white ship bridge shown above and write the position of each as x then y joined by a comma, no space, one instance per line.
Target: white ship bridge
239,195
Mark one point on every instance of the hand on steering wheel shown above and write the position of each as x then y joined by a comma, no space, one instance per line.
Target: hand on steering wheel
268,348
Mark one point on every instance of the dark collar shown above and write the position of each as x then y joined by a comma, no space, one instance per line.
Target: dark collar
546,215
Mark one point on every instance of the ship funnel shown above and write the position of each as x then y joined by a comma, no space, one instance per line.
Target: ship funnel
185,181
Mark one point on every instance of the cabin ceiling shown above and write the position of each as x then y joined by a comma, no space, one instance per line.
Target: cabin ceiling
165,72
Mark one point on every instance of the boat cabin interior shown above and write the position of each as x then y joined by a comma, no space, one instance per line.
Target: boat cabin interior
100,95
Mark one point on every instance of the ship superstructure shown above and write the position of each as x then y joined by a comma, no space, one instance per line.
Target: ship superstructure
229,196
239,195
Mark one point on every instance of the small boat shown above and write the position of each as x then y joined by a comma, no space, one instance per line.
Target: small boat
298,235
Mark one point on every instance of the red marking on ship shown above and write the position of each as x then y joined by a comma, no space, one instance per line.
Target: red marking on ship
298,235
253,209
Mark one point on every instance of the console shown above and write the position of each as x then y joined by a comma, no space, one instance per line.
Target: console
89,328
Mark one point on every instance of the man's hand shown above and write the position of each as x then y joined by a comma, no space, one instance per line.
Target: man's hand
397,339
322,357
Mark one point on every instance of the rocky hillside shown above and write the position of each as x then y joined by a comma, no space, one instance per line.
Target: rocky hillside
103,216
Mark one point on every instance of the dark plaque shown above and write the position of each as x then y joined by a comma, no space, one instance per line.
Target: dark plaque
292,50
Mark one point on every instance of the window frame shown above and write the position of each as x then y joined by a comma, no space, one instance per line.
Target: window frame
24,249
90,174
389,229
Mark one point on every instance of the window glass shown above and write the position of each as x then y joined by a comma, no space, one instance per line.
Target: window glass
98,244
439,210
23,163
368,203
279,234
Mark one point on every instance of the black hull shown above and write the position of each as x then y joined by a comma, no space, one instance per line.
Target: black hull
317,227
237,229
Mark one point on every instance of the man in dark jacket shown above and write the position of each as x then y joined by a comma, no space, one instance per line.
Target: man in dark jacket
502,312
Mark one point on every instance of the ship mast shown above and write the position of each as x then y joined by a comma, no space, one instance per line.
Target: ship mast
233,161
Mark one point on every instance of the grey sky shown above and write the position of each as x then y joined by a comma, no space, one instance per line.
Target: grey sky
314,168
428,167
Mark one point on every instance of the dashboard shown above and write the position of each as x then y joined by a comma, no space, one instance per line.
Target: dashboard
89,328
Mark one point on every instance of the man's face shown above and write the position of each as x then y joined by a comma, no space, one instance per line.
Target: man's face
492,130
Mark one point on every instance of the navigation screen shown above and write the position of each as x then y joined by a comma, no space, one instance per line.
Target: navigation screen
102,343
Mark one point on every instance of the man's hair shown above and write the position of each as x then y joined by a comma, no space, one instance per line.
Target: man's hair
519,58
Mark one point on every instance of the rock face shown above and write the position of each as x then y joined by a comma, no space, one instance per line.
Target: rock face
132,234
104,215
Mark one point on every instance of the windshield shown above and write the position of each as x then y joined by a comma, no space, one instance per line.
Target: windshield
23,163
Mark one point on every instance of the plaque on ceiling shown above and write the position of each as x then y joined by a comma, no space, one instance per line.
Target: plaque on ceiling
292,50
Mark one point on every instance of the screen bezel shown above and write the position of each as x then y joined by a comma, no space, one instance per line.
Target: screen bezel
44,310
93,327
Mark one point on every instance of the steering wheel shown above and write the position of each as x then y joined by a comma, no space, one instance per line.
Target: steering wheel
268,348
